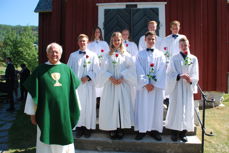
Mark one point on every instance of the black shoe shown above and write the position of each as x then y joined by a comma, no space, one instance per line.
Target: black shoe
11,109
166,102
140,136
174,136
182,135
156,135
120,134
113,135
87,133
184,139
79,132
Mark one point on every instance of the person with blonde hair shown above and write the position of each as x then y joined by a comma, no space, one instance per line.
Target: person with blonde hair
85,65
152,26
170,44
181,83
117,76
52,103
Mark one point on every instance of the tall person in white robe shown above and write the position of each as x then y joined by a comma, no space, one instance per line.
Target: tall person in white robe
152,26
151,68
170,44
54,52
117,75
132,49
100,47
181,84
85,65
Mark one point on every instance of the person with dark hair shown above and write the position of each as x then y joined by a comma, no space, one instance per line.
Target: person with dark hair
24,74
151,72
10,82
100,47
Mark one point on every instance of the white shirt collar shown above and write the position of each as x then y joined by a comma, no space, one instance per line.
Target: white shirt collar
48,63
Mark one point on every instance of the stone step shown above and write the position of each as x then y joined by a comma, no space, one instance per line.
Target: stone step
102,143
131,131
91,151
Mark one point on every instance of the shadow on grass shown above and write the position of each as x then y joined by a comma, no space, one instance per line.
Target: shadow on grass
22,135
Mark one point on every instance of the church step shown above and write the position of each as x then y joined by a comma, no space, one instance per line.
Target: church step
131,131
102,142
90,151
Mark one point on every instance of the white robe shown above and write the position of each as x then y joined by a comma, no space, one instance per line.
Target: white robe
97,47
149,105
142,43
180,114
131,48
171,45
30,109
86,91
116,100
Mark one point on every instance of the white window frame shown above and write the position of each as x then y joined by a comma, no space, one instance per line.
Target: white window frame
159,5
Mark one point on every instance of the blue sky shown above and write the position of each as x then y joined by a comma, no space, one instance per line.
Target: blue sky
18,12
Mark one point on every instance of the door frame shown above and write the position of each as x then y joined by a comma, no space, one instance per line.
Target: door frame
159,5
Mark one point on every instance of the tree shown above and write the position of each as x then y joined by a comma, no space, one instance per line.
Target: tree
20,47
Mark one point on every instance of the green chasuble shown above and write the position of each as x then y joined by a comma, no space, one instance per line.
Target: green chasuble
52,88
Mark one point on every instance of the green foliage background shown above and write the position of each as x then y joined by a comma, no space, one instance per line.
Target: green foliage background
20,44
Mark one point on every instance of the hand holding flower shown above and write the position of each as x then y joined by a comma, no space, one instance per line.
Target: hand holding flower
149,87
186,77
84,79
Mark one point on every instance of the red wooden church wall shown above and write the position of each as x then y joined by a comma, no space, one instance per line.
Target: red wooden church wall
204,22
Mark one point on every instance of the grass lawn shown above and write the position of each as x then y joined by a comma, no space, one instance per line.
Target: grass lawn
23,133
217,121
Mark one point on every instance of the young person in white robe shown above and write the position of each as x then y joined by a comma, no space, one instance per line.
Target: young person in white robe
117,76
151,72
131,47
152,26
85,65
181,84
52,103
100,47
170,44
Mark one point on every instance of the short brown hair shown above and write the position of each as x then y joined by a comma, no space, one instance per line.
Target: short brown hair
184,40
175,22
82,36
152,22
150,33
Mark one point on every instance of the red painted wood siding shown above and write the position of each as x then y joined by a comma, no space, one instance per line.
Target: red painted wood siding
204,22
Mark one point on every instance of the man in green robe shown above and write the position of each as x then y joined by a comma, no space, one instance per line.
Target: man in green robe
52,103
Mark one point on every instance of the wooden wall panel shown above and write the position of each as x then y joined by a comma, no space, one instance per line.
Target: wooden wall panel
204,22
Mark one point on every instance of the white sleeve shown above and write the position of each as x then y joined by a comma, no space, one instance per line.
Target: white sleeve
30,106
195,75
141,44
142,79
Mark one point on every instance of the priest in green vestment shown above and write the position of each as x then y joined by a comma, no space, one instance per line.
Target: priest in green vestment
52,103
